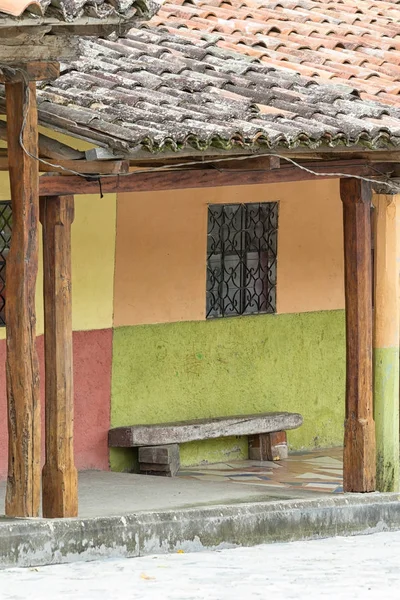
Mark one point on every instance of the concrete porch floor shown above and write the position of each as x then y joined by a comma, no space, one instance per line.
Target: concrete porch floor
301,476
208,507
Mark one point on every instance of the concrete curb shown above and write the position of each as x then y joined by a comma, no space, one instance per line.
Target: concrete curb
36,542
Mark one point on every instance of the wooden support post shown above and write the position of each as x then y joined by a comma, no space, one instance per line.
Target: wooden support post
359,468
159,460
268,446
60,484
22,370
386,340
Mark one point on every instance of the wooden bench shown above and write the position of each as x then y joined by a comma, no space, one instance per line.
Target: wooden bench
159,444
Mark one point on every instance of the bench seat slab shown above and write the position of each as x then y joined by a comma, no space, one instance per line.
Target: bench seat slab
201,429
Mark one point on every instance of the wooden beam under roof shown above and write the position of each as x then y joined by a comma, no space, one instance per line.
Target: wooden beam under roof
172,179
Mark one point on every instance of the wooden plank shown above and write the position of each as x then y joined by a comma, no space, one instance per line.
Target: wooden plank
194,178
359,443
60,481
201,429
386,339
53,149
22,372
32,71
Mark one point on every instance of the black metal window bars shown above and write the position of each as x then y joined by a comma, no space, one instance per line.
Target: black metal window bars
241,259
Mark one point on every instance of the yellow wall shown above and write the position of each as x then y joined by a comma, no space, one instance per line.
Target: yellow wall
161,242
93,256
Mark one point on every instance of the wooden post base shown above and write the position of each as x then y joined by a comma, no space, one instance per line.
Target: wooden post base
268,446
60,491
159,460
359,450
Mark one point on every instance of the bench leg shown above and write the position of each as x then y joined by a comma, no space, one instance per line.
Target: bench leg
268,446
159,460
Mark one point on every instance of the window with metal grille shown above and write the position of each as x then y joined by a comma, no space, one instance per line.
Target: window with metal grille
241,259
5,241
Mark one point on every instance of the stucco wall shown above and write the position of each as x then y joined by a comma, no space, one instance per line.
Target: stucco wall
160,271
179,371
192,368
92,381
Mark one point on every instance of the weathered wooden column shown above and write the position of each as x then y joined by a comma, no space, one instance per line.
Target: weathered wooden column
22,369
60,484
386,339
23,483
359,460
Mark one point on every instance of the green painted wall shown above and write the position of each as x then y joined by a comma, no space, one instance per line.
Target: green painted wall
178,371
386,413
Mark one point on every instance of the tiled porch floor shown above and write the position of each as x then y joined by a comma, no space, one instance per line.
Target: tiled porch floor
317,471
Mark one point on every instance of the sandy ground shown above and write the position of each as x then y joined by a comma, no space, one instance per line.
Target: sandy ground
365,567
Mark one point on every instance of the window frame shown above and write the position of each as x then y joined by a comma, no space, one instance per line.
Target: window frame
241,232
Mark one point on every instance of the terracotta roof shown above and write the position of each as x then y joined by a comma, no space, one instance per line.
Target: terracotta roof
158,90
356,42
239,74
35,12
15,8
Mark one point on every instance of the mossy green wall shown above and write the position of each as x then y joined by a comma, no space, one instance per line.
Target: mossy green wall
179,371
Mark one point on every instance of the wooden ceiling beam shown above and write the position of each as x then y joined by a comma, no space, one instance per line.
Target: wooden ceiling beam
57,185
